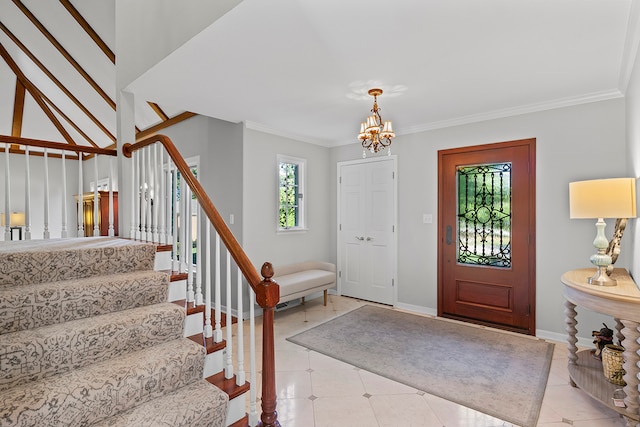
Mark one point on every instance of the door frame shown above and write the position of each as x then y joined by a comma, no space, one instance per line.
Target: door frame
531,143
392,158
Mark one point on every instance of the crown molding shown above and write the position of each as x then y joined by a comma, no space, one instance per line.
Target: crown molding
631,43
262,128
516,111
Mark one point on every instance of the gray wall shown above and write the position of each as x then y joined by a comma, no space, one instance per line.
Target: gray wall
262,242
574,143
632,233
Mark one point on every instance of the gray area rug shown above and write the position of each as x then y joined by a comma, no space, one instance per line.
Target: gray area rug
500,374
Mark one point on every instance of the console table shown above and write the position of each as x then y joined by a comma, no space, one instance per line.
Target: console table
622,302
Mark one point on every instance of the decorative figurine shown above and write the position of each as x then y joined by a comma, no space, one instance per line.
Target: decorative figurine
601,338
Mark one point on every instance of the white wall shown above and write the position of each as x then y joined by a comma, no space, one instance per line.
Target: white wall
574,143
632,233
262,242
149,30
18,191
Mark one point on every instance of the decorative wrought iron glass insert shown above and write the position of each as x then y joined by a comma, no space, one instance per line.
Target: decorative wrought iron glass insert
484,215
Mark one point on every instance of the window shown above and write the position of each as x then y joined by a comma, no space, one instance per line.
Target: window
291,172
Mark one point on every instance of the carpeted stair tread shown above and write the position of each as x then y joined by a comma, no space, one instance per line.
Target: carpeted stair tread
198,404
29,261
42,304
93,393
30,355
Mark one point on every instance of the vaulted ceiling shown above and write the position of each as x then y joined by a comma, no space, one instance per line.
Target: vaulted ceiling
301,68
57,74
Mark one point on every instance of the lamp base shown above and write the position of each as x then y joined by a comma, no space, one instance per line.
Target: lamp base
601,278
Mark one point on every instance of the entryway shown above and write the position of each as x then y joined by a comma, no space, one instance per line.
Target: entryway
367,229
486,235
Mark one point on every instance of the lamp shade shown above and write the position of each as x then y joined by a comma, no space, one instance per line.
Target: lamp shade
603,198
17,219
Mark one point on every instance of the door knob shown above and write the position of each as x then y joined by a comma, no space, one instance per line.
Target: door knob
448,236
369,239
359,238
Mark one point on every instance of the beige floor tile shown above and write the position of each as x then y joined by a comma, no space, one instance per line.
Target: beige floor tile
343,411
408,410
317,391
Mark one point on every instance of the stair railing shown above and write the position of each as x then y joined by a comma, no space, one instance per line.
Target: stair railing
266,292
18,154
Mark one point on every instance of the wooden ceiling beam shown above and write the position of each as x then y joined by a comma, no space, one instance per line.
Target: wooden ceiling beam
89,30
163,116
64,53
35,94
172,121
57,82
56,145
18,109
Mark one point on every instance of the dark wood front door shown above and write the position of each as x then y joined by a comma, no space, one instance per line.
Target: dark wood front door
486,234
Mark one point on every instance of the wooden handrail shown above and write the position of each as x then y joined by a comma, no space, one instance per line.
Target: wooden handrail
57,145
267,291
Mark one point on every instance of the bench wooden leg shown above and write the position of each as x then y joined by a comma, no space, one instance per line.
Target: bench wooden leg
325,297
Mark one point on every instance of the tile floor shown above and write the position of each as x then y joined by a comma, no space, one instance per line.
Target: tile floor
317,391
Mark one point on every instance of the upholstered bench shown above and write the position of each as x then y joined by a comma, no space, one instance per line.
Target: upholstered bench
299,280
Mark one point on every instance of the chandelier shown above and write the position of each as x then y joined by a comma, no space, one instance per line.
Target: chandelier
374,135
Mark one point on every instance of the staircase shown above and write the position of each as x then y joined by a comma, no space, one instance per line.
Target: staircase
88,338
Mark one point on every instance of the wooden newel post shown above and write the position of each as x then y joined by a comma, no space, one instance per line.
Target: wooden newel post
267,297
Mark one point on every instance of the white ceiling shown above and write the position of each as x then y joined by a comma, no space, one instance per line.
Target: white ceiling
301,68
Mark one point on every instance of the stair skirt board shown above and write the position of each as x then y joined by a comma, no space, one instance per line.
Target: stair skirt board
104,389
177,290
237,409
193,324
213,363
42,304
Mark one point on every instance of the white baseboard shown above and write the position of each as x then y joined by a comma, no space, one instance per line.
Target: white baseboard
237,409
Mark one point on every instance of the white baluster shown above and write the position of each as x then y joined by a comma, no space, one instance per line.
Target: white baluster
240,375
27,194
96,207
228,351
139,194
162,199
182,232
155,192
80,198
112,231
46,233
7,194
208,329
198,258
134,196
144,192
63,232
175,229
148,181
253,407
217,335
188,246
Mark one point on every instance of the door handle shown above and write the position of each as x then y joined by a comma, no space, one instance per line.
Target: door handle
448,237
359,238
369,239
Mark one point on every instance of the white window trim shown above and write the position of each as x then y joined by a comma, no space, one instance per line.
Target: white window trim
302,179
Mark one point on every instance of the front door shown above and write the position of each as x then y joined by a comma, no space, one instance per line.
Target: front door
486,234
366,230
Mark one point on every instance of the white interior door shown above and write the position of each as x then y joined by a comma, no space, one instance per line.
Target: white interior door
366,230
